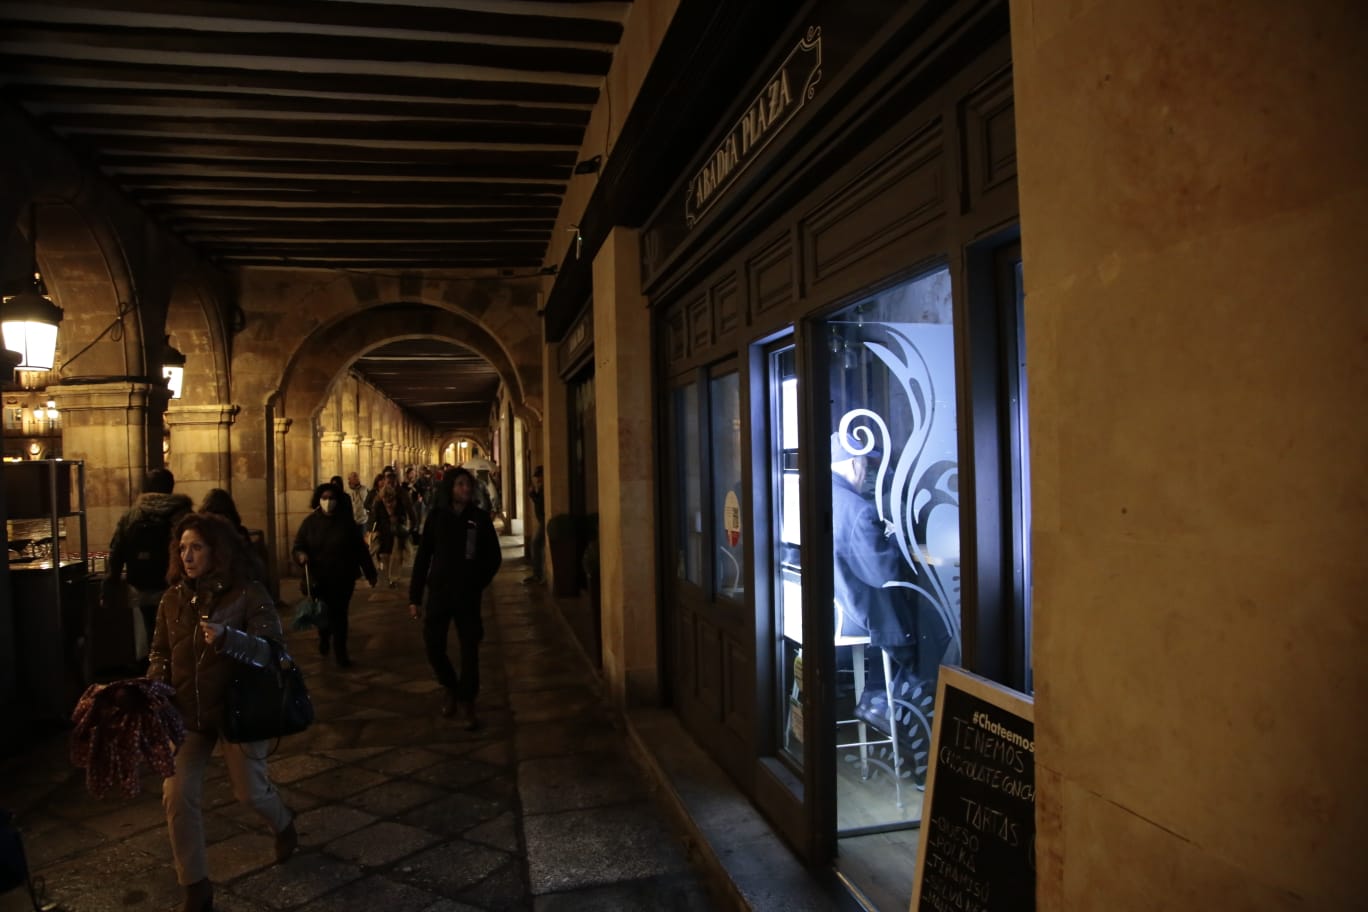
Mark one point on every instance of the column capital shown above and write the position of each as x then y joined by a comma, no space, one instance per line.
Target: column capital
201,415
330,438
282,426
119,394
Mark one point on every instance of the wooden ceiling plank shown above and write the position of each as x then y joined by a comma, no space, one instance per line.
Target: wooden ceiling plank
371,16
342,51
22,68
43,98
304,130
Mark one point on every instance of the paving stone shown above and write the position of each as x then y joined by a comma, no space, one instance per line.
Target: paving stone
143,894
353,754
378,894
227,901
552,739
451,868
378,845
451,905
304,879
402,760
575,849
578,781
340,782
504,890
499,833
677,893
93,871
49,839
241,854
395,797
454,814
300,766
497,753
323,825
457,773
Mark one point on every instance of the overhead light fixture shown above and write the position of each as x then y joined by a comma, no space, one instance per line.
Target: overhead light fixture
589,165
29,319
173,368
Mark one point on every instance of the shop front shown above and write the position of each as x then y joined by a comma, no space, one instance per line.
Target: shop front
836,300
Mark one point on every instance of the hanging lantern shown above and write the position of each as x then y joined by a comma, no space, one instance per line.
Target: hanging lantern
173,368
29,319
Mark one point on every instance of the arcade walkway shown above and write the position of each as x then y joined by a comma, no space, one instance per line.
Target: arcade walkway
399,809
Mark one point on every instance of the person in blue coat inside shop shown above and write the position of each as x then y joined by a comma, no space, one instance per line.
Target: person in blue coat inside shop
457,558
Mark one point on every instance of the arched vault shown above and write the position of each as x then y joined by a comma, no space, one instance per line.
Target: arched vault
325,355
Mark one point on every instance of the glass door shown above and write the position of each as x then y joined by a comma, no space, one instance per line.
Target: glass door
786,560
895,564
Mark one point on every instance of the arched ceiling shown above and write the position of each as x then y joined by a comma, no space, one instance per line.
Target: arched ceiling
320,133
448,387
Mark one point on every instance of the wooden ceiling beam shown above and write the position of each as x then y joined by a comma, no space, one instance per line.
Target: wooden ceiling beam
24,68
346,53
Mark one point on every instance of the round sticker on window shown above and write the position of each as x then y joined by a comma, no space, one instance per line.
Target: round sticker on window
731,518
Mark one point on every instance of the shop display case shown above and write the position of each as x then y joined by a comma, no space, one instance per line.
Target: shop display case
46,534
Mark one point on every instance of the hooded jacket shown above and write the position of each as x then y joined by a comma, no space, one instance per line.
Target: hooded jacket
200,672
152,505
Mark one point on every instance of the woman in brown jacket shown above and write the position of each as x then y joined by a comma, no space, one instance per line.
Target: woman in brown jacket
213,616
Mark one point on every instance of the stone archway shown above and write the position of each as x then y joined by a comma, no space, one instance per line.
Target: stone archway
321,360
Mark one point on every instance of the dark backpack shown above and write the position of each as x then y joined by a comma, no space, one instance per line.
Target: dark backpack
147,547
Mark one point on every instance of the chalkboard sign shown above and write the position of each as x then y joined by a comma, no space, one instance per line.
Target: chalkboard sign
977,847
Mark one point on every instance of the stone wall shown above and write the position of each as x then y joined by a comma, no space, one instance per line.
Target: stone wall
1194,206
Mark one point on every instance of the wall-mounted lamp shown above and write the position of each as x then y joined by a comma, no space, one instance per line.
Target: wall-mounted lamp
173,368
579,239
551,269
589,165
29,319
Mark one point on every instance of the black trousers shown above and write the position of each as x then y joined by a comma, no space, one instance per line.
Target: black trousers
438,616
337,601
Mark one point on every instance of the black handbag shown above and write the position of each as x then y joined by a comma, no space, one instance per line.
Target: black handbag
14,869
269,702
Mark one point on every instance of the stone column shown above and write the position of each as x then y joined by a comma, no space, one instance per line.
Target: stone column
330,451
284,532
626,460
107,425
365,459
201,452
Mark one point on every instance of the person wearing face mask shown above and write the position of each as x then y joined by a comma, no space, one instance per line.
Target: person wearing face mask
330,545
212,618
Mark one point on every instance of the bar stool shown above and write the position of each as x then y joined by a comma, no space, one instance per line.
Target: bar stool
857,645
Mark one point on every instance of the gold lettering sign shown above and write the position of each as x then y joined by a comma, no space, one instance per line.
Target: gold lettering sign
763,119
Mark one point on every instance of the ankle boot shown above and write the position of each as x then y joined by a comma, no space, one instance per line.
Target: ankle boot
199,897
286,841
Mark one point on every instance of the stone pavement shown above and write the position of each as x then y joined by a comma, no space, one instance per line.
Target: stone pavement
399,810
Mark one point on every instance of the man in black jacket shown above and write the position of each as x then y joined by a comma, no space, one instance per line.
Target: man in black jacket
457,558
142,546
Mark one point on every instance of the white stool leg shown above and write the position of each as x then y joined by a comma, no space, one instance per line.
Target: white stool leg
892,726
857,658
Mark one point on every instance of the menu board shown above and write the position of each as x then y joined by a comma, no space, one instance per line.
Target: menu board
977,846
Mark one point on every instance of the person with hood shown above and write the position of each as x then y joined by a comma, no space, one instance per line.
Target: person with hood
213,619
457,559
220,503
330,545
141,547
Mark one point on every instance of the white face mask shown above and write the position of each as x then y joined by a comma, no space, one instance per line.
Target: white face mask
328,504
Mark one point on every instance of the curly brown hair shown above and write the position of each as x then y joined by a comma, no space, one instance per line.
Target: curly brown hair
232,562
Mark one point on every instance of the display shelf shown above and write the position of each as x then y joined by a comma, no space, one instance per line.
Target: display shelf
45,532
